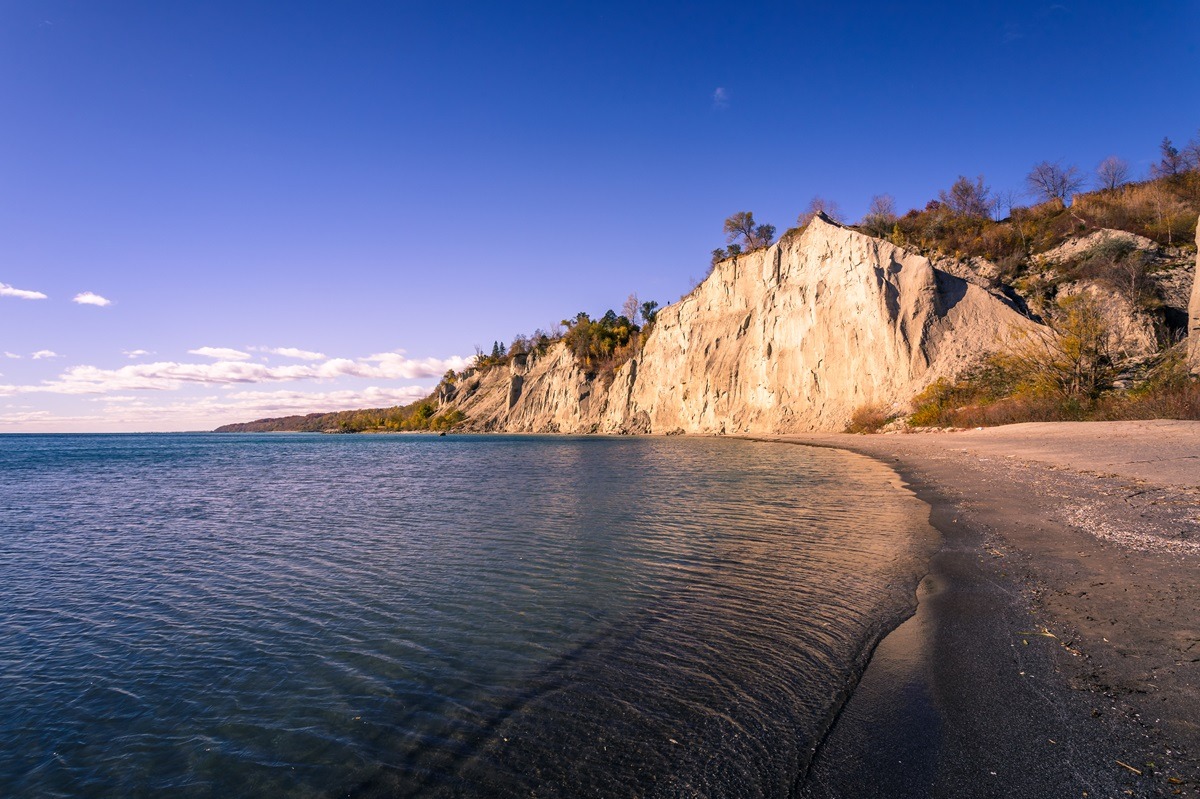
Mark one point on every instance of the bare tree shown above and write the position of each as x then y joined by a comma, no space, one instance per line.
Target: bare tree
1191,153
880,216
742,226
630,308
968,197
1053,181
820,205
1006,200
1112,172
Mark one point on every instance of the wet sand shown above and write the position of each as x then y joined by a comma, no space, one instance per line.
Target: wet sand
1055,651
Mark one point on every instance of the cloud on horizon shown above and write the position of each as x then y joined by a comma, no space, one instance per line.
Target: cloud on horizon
293,352
221,353
21,294
91,298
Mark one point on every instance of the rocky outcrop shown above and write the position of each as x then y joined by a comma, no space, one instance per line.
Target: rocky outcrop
790,338
1194,313
1074,248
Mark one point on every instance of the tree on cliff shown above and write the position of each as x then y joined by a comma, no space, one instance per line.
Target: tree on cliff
880,216
1053,181
968,197
649,310
742,226
1171,162
819,205
1111,172
630,308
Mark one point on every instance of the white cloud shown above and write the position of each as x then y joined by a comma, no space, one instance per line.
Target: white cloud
169,375
42,354
89,298
221,353
395,365
134,353
720,98
21,294
293,352
11,355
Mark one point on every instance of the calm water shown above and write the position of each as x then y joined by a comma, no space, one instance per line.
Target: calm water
201,615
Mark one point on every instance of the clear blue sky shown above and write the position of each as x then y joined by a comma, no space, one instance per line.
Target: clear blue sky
356,179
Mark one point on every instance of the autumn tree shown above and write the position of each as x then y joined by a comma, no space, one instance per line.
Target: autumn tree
741,226
1072,359
1053,181
1112,172
968,197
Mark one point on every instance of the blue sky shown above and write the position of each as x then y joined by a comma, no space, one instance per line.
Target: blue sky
307,206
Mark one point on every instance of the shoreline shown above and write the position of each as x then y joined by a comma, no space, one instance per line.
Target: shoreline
1055,648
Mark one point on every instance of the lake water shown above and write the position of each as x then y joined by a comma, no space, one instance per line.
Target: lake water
307,615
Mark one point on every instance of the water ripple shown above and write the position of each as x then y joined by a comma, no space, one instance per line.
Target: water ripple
411,616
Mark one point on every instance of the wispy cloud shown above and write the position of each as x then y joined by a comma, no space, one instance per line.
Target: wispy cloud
293,352
220,353
720,98
21,294
11,355
43,354
91,298
134,353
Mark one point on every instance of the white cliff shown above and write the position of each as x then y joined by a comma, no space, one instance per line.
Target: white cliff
790,338
1194,313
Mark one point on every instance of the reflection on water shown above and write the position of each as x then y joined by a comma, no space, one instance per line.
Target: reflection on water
460,616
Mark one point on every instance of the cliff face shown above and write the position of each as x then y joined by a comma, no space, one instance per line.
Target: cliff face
1194,313
791,338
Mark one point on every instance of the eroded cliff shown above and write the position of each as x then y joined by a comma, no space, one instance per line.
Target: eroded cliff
1194,313
790,338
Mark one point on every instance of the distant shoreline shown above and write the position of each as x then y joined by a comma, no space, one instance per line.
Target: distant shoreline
1056,645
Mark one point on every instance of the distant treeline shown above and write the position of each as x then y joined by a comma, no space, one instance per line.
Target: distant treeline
417,416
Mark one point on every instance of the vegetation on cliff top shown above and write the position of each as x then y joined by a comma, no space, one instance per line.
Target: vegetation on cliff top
598,345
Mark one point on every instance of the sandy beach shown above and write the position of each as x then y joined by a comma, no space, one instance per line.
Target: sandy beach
1056,647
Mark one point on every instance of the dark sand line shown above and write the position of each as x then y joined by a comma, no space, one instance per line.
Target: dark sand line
1055,650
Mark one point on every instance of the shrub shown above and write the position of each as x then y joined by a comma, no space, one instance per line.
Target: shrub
869,418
